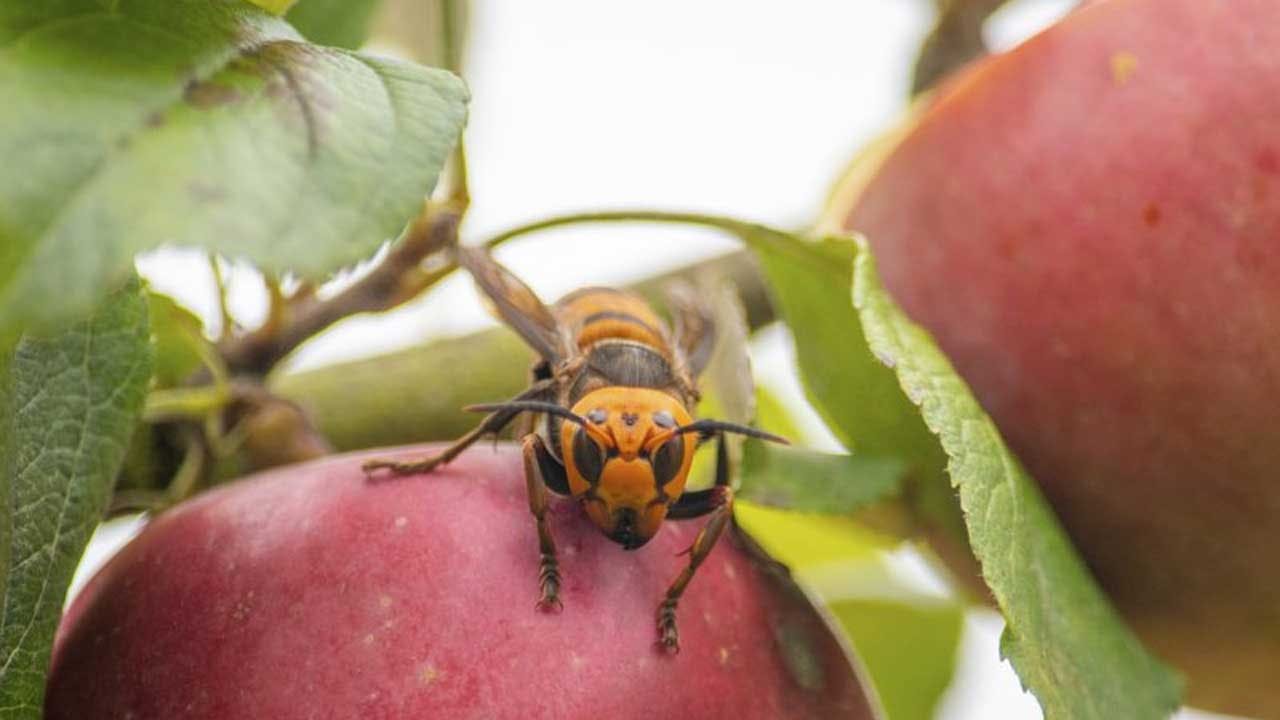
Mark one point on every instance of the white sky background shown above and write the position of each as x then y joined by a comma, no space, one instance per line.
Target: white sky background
743,108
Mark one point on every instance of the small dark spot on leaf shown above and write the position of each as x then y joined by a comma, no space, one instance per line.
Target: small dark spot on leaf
154,119
296,54
1151,215
243,64
277,88
209,94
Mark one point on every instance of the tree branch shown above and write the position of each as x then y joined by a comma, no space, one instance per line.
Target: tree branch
399,277
956,39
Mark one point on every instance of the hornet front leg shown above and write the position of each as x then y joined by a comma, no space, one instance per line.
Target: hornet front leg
718,502
541,469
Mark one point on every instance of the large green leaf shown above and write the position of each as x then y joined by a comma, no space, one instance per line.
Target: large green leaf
1062,635
68,405
860,402
132,124
850,388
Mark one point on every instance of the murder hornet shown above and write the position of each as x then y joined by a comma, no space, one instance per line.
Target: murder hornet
610,419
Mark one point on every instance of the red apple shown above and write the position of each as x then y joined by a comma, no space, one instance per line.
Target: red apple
309,592
1090,226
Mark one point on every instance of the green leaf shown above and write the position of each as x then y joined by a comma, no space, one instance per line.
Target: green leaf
337,23
1062,635
773,415
808,481
177,337
809,282
851,390
137,123
68,405
909,646
803,541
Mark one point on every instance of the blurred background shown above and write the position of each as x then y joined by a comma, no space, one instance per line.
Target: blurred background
748,109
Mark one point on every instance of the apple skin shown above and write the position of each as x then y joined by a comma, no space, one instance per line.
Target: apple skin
310,592
1089,225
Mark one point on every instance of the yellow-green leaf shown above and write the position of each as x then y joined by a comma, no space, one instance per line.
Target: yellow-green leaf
177,337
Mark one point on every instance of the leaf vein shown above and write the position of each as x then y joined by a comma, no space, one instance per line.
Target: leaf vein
62,511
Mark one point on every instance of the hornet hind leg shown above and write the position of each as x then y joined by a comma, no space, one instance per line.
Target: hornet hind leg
492,424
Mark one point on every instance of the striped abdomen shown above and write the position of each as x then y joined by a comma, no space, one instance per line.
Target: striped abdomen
597,314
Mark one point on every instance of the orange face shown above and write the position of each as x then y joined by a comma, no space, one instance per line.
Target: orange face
627,465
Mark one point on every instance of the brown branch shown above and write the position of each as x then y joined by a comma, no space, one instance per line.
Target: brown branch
399,277
956,39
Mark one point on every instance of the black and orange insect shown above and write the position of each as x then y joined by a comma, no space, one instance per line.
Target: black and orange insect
609,418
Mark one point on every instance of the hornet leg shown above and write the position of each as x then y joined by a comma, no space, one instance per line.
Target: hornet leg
718,501
536,460
700,502
492,423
